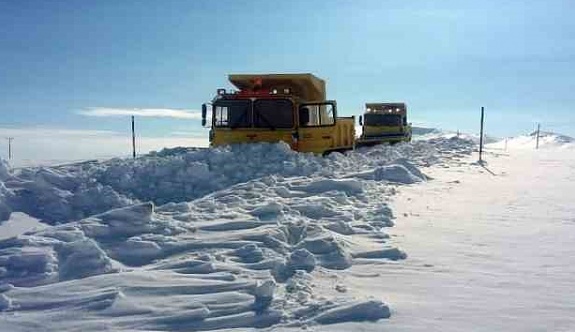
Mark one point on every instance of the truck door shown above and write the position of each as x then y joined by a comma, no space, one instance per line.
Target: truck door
316,128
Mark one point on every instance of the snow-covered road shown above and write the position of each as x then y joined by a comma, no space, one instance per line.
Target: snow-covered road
489,249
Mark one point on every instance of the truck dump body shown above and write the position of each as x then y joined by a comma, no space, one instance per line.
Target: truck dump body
306,86
280,107
384,123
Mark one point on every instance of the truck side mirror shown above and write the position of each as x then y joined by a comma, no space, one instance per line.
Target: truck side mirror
204,114
361,120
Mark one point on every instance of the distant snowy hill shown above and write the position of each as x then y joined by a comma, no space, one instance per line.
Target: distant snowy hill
422,133
546,140
419,131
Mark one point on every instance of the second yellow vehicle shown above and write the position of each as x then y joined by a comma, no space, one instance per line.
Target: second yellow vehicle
384,123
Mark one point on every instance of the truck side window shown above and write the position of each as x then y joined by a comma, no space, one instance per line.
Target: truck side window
221,116
326,115
315,115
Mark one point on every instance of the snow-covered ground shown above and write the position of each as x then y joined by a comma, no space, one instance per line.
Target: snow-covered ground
490,248
203,239
259,236
487,252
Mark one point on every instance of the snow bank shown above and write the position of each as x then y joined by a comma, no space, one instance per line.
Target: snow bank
240,257
204,239
72,192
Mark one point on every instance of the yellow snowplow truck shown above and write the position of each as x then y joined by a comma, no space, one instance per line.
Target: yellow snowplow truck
384,123
279,107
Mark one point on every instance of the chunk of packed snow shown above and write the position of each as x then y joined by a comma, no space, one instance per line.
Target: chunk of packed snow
370,310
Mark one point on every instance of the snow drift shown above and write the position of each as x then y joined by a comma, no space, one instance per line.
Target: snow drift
72,192
202,239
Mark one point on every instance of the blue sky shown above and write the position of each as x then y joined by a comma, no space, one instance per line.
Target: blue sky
61,60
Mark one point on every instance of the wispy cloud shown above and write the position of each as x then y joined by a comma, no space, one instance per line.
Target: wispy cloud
144,112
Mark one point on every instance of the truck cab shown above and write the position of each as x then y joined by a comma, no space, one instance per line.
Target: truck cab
278,107
384,123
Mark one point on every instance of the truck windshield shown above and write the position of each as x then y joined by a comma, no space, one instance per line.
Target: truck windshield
262,113
232,113
273,113
383,120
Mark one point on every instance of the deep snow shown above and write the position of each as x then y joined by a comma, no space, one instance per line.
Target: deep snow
72,192
203,239
490,248
256,236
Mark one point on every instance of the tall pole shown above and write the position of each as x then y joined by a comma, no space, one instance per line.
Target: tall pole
133,139
481,135
10,139
537,140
